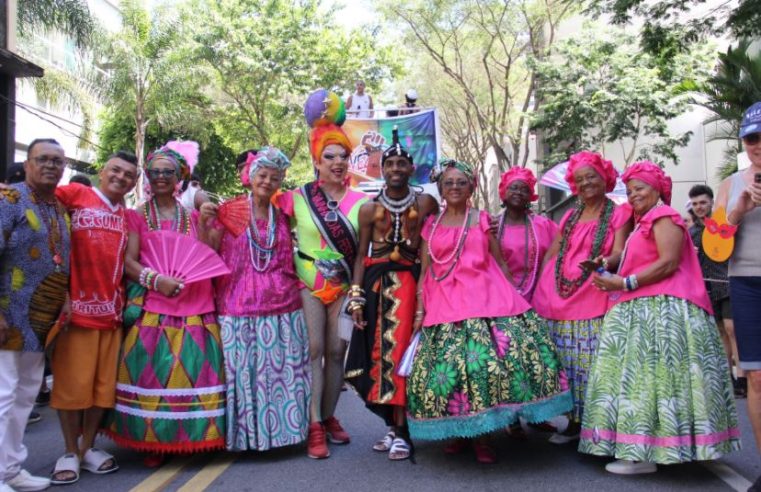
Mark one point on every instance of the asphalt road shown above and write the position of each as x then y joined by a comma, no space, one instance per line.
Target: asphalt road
528,465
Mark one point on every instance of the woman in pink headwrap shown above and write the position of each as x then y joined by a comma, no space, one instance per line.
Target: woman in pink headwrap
524,237
659,390
593,231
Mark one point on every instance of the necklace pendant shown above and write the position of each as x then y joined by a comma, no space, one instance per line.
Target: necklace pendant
395,255
57,260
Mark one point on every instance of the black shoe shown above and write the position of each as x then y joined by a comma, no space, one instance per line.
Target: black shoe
43,398
756,487
34,417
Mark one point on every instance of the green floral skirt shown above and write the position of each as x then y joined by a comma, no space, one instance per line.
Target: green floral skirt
475,376
659,389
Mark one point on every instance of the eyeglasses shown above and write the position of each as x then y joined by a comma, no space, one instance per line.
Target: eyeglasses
55,161
160,173
752,139
332,215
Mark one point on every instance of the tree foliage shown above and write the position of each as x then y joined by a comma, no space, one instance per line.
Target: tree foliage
474,55
682,23
599,89
69,16
266,56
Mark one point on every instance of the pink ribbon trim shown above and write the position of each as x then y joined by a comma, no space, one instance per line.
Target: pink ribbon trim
597,435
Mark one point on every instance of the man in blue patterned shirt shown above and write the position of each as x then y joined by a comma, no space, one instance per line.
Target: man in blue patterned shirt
34,277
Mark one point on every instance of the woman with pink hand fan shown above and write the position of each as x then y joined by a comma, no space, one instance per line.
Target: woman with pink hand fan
264,335
170,393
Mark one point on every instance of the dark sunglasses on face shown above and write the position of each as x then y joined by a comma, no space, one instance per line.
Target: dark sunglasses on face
161,173
752,139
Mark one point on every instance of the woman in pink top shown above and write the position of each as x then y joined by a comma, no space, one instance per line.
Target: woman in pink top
170,394
593,230
484,358
659,390
264,335
523,236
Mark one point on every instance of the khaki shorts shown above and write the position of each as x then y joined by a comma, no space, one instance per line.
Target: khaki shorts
84,366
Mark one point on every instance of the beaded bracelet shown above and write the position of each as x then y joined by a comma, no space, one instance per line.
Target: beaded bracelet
156,282
143,274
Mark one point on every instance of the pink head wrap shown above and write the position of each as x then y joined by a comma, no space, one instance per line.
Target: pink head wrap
652,175
594,160
517,174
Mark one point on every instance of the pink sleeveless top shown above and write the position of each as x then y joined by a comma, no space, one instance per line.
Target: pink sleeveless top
476,287
641,250
513,246
588,301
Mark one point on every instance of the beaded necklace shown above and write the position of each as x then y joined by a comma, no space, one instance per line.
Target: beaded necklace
530,253
454,256
55,224
396,209
261,254
564,286
180,223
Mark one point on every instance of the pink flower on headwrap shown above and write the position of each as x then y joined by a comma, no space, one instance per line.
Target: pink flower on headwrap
594,160
652,175
517,174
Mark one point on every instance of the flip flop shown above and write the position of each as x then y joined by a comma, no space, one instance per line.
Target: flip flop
69,462
94,459
385,443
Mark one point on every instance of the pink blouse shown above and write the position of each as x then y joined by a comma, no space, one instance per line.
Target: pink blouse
476,287
247,292
641,250
196,298
588,301
513,246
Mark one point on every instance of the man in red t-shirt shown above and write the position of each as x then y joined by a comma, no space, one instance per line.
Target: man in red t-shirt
86,352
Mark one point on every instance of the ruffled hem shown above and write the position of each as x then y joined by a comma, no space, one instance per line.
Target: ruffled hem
166,447
489,420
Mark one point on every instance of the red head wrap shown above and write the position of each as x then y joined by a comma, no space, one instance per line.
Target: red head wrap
652,175
594,160
324,135
517,174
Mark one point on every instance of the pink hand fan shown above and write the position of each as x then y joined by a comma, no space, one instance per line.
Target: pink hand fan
180,256
235,214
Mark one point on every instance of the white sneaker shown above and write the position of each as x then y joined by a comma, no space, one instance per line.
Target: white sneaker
627,467
26,482
558,438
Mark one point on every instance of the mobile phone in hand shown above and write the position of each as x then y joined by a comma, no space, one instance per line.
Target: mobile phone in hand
757,178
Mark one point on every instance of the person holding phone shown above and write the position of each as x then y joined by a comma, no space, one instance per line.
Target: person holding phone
594,230
740,194
659,390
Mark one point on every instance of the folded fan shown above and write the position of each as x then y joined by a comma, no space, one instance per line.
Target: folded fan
180,256
235,214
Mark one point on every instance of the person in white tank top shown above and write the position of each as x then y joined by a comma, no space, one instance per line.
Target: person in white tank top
359,104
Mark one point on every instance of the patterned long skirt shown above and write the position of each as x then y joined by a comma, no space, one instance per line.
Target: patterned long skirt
268,380
475,376
576,342
170,388
660,388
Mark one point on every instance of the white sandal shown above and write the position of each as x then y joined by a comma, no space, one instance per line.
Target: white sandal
69,462
384,444
400,449
94,459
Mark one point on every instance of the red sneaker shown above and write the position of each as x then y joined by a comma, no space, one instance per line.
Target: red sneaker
336,433
484,453
317,445
456,446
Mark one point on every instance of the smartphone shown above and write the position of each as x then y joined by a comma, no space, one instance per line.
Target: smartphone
589,265
757,177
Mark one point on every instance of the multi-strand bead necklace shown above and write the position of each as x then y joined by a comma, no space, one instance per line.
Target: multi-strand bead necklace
454,256
261,249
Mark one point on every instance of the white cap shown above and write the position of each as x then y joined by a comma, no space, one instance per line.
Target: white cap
411,94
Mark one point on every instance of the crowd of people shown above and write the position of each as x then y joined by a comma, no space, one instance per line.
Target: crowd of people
450,324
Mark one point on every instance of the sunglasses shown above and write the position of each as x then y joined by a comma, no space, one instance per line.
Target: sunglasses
160,173
332,215
752,139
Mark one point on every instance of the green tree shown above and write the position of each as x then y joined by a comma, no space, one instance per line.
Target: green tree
734,87
266,56
472,55
599,88
150,77
68,16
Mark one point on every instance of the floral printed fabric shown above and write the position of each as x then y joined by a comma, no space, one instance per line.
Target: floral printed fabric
478,375
659,389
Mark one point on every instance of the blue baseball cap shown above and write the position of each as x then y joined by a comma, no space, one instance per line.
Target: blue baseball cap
751,122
